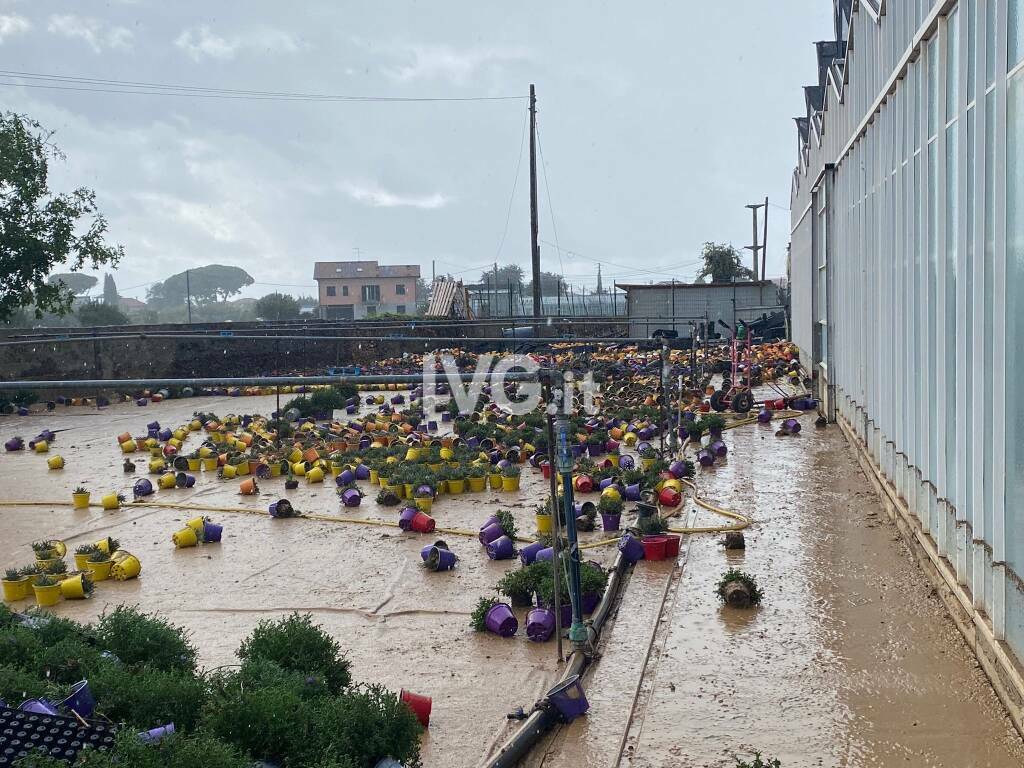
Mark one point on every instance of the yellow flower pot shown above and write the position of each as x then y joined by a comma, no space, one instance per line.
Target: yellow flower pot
179,434
127,567
17,589
544,525
275,469
81,562
447,454
476,484
55,462
47,596
196,523
299,468
80,500
110,501
205,452
315,475
407,489
374,477
194,464
228,471
510,483
156,466
103,545
412,454
629,438
167,480
129,446
456,487
209,463
186,537
242,469
614,459
424,505
42,447
100,571
73,588
611,493
495,482
646,464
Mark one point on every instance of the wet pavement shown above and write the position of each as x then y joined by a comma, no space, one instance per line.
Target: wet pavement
850,661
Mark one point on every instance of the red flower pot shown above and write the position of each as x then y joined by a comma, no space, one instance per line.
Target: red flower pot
654,547
422,523
669,497
420,705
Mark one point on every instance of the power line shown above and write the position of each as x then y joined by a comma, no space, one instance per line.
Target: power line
515,183
97,85
667,270
551,212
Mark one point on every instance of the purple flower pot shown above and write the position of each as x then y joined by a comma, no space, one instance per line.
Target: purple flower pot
718,448
15,444
677,469
281,508
212,532
141,402
164,435
184,480
569,699
540,624
689,416
528,554
715,432
154,735
596,450
473,442
501,621
405,518
351,409
764,416
626,462
431,426
792,425
631,548
705,457
351,497
362,472
446,416
39,706
502,548
577,451
610,522
440,559
606,482
80,700
141,488
587,508
642,446
547,553
632,492
153,426
489,521
491,533
589,602
345,477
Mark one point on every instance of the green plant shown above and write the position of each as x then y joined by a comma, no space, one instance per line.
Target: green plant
139,638
757,762
609,505
512,470
714,421
13,574
651,525
56,568
68,660
518,585
746,579
270,724
177,751
144,697
80,489
296,643
387,497
99,556
648,453
85,549
45,550
45,581
478,618
507,521
16,684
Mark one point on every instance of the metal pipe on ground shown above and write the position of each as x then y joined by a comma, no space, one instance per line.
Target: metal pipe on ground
543,717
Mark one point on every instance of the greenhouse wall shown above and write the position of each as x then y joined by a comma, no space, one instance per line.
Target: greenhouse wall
907,267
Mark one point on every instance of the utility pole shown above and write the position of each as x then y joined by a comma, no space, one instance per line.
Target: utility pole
188,295
534,224
764,240
433,271
755,247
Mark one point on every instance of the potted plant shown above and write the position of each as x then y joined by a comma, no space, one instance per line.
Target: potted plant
507,522
48,551
510,478
647,458
56,568
80,498
77,587
424,498
518,586
112,501
387,497
456,480
15,585
490,615
738,589
47,590
494,478
476,478
99,565
611,512
82,554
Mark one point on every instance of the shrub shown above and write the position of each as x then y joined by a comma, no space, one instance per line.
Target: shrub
757,763
16,685
507,522
68,661
146,698
519,584
259,673
19,647
176,751
139,638
478,618
268,723
295,643
364,725
734,574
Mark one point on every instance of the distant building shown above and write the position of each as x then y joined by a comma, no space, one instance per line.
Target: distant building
351,290
674,306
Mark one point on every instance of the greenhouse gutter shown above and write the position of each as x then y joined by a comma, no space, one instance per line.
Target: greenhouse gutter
544,716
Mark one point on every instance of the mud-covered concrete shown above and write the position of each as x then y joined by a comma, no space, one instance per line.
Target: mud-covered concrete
850,661
400,624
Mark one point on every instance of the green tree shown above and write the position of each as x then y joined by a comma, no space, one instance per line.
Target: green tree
510,273
40,229
214,282
110,296
277,306
97,313
550,285
75,282
722,264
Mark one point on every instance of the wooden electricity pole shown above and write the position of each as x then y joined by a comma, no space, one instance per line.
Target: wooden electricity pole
534,226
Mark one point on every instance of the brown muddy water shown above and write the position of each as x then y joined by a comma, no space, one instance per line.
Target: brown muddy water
400,624
850,661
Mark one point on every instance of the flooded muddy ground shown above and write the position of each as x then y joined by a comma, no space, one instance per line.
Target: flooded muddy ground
850,661
400,624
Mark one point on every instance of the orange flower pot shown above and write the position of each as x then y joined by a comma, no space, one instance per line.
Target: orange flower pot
248,487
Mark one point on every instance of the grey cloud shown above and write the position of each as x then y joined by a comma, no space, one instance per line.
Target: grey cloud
95,33
13,25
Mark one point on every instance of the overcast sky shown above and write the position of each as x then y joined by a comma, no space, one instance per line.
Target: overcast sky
658,122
